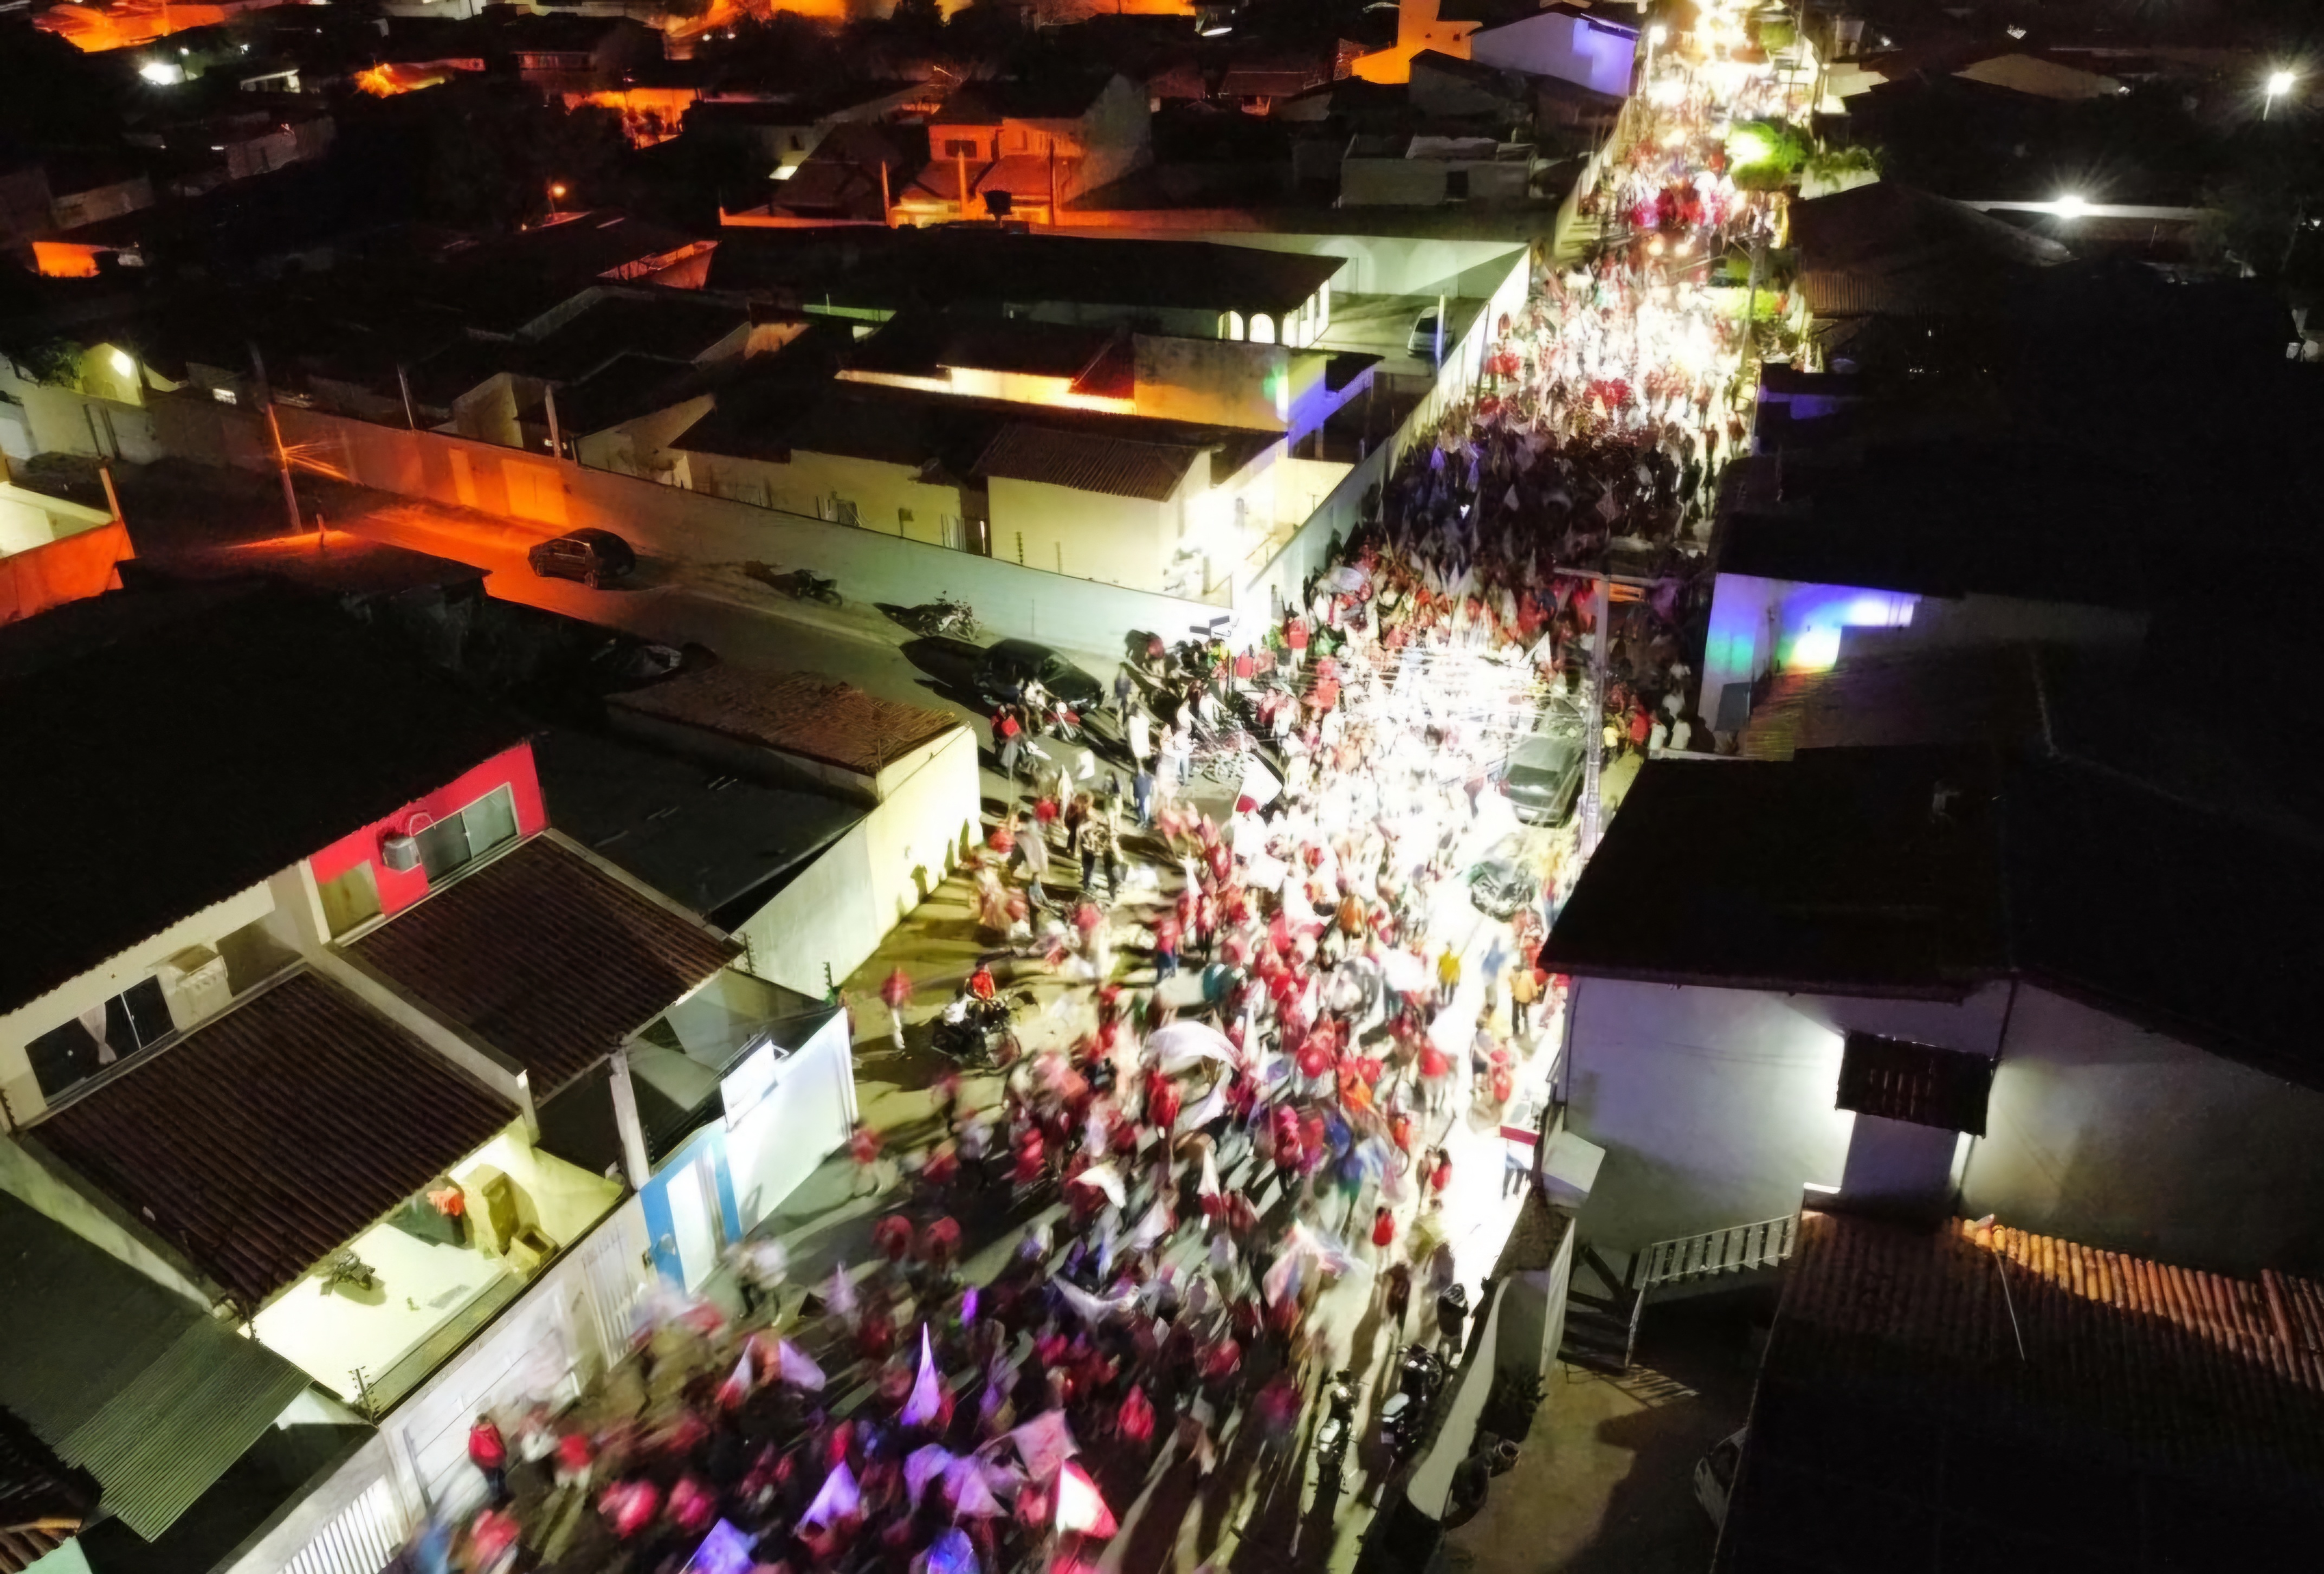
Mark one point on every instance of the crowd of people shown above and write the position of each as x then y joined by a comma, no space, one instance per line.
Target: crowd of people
1273,1003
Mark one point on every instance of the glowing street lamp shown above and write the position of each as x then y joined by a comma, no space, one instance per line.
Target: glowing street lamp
2279,83
2070,207
556,195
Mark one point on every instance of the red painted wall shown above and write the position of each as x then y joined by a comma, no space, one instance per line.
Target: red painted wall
399,889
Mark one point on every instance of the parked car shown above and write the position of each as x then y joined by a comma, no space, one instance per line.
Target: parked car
591,555
1542,774
1007,666
1714,1476
1422,340
1500,885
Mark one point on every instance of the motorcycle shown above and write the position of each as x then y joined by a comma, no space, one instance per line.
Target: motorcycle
942,616
974,1033
800,584
1333,1432
1405,1417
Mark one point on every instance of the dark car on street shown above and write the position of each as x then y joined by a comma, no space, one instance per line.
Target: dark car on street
591,555
1007,666
1542,777
1500,885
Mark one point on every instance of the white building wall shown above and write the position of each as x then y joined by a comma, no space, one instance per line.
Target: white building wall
1121,540
22,1095
801,1122
2120,1138
1715,1106
1569,48
835,912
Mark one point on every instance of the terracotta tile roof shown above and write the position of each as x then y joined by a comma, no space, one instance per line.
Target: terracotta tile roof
270,1137
803,713
42,1500
1087,462
2006,1397
545,957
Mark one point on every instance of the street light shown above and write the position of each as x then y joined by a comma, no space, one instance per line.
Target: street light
556,195
2070,207
2279,83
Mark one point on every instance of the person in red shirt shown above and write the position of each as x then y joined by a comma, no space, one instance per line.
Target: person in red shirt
488,1452
1166,931
864,1147
1383,1228
896,992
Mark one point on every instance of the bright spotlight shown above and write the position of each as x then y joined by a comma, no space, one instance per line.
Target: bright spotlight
2280,83
2071,206
1658,35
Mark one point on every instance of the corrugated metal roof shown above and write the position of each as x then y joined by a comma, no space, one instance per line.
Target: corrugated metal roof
166,1437
546,957
123,1378
1087,462
270,1138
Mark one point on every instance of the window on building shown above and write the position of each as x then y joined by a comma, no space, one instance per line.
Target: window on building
349,898
136,1018
1900,1081
1262,328
960,147
458,839
844,511
1234,325
1456,185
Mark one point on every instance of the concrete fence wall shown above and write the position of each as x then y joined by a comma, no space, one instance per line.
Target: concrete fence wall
1274,584
669,522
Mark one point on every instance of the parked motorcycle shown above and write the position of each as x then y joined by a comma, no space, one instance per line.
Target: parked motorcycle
800,584
1335,1431
942,616
1404,1419
974,1033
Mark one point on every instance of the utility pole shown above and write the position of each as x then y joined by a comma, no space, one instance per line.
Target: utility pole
1601,638
274,431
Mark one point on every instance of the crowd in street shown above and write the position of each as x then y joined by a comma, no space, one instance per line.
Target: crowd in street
1272,997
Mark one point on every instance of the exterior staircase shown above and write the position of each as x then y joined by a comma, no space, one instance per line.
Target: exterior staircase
1601,1319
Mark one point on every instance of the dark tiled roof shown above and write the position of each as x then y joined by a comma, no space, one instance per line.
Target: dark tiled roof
1831,870
1834,871
2209,931
896,267
1974,518
803,713
42,1500
919,343
1911,695
1979,1398
1087,462
774,416
135,743
545,958
272,1136
1051,97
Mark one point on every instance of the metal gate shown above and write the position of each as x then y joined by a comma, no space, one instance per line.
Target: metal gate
361,1538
